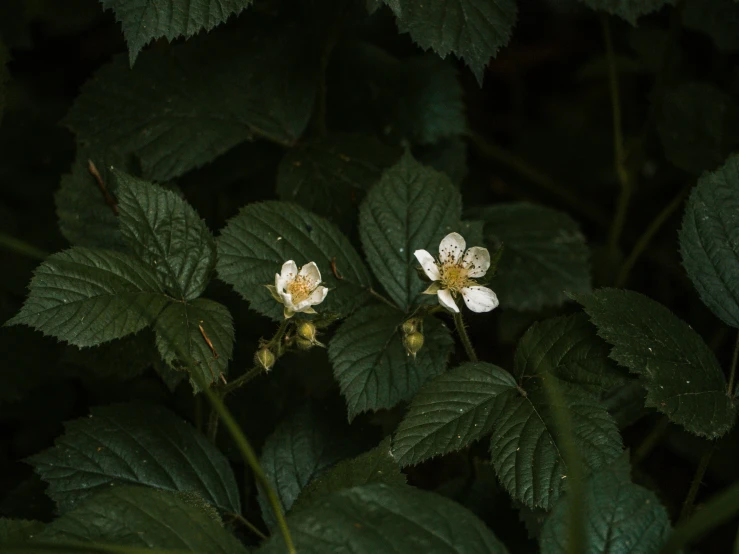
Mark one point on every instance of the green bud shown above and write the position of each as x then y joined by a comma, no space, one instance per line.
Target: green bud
413,343
307,331
303,344
409,326
264,358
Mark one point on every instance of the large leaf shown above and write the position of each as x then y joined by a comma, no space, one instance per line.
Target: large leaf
254,245
371,365
568,348
681,374
621,516
411,208
544,255
19,530
473,30
630,10
134,444
145,518
709,240
331,175
163,112
146,20
183,331
451,411
719,19
383,518
87,297
697,125
166,233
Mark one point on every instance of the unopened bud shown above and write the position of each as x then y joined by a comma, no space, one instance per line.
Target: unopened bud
303,344
264,358
409,326
413,343
307,331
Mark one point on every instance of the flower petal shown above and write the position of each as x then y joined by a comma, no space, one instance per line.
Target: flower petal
312,274
477,261
279,282
451,248
428,263
479,299
446,300
288,273
316,297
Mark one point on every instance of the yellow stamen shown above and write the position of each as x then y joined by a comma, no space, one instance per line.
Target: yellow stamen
299,289
454,277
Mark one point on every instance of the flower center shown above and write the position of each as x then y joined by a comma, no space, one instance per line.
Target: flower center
299,289
454,277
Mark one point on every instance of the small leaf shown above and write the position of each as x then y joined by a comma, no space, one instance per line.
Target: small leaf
146,20
145,518
183,332
87,297
330,176
544,256
413,207
382,518
708,240
371,365
134,444
254,245
719,19
376,466
166,233
473,30
19,530
452,411
630,10
681,374
621,516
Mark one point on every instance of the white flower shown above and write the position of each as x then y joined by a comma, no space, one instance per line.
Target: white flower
454,272
298,290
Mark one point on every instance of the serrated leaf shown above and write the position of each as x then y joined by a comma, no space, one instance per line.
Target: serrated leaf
145,518
146,20
697,125
371,365
375,466
681,374
382,518
451,411
568,348
708,240
719,19
162,112
473,30
411,208
525,443
19,530
254,245
630,10
86,297
331,175
544,255
120,359
134,444
621,516
166,233
182,334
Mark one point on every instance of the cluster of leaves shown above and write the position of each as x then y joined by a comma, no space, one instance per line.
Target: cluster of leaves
369,153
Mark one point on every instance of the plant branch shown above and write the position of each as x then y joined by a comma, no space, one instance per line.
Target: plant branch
254,372
248,524
464,337
381,298
21,247
732,373
107,196
700,471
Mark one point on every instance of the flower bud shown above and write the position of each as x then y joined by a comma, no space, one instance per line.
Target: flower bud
409,326
264,358
303,344
413,343
307,331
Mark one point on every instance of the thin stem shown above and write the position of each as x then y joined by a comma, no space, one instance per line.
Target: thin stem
650,441
380,297
254,372
212,433
648,235
732,373
248,524
462,332
18,246
687,509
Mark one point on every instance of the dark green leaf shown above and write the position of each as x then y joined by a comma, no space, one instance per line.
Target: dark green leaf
473,30
376,466
681,374
19,530
87,297
146,518
134,444
382,518
163,112
330,176
451,411
630,10
146,20
698,125
371,365
120,359
544,255
254,245
621,516
411,208
181,331
719,19
709,240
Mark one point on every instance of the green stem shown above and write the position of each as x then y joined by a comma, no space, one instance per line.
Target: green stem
687,509
212,432
380,297
462,332
248,524
732,373
254,372
21,247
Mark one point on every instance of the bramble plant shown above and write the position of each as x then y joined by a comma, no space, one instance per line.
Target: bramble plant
403,340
